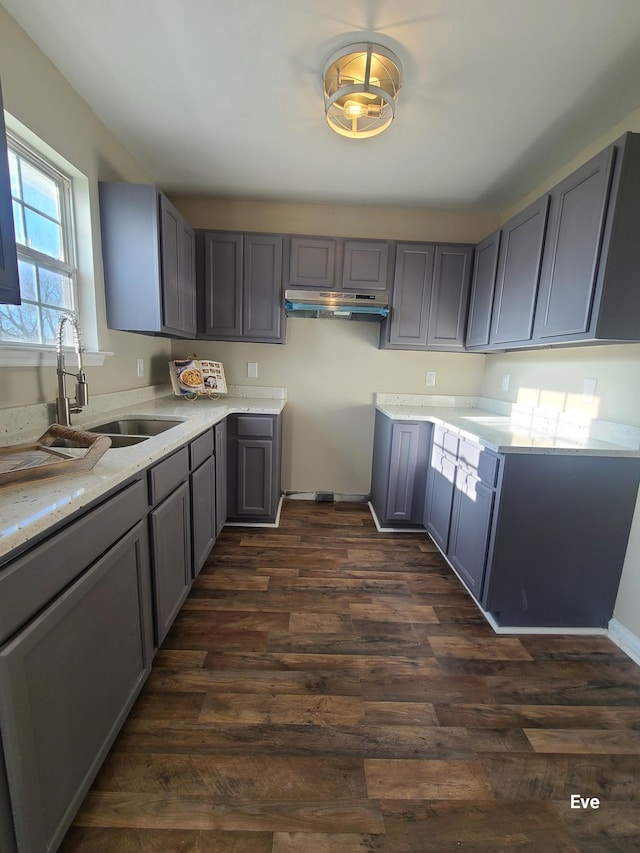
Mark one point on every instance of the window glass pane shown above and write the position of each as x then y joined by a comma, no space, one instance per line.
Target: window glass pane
50,319
18,223
43,234
15,175
40,191
27,273
55,288
19,323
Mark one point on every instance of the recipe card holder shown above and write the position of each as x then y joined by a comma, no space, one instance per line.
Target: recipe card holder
193,377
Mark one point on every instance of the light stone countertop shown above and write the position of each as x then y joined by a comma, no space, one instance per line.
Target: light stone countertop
518,431
28,510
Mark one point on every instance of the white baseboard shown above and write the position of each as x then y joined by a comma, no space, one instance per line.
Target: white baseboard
275,523
387,529
625,640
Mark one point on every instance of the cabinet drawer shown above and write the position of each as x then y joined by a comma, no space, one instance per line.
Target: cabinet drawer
200,449
166,475
255,426
445,441
31,581
479,462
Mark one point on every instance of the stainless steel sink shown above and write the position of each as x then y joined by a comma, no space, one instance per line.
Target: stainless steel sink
135,427
116,441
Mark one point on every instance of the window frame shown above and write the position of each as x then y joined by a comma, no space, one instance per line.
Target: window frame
68,266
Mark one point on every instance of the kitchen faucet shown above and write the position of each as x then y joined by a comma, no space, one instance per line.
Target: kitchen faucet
63,409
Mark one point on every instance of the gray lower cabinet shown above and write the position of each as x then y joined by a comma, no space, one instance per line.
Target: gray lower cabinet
430,297
9,282
538,539
240,293
202,483
77,634
400,455
254,452
148,250
170,533
221,454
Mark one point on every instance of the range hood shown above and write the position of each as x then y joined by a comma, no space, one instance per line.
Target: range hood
336,305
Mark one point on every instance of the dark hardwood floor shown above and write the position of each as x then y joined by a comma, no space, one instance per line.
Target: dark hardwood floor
329,689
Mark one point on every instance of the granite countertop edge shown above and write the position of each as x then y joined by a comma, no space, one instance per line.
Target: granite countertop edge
503,434
28,510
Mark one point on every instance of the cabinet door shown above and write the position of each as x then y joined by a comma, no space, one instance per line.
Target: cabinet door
312,262
220,438
470,528
403,470
67,682
483,285
203,512
171,557
412,284
439,496
170,241
519,274
450,297
255,485
574,237
365,265
187,278
222,286
263,302
9,283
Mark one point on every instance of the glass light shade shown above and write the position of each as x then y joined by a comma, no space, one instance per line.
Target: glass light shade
361,84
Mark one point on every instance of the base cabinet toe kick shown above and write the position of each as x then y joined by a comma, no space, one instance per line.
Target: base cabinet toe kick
538,539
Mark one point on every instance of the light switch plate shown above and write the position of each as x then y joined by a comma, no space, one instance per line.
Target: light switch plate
430,378
252,369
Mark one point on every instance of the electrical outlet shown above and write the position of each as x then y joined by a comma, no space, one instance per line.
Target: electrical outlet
140,367
589,390
430,378
505,381
252,369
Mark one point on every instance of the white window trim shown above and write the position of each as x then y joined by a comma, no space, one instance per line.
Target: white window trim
16,354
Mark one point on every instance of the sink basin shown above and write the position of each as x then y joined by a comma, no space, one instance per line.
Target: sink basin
135,427
116,441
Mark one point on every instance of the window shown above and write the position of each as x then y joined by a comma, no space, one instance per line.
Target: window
42,214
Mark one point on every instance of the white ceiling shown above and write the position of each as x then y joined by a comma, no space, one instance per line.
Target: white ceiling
224,98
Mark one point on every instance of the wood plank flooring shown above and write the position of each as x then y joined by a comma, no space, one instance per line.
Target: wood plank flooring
329,689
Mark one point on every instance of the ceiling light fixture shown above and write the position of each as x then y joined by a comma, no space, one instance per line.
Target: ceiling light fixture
361,84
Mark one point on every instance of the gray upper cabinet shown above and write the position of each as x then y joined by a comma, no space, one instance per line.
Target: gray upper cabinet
311,262
365,265
449,297
335,263
588,288
9,284
148,251
240,287
411,297
430,297
483,284
518,275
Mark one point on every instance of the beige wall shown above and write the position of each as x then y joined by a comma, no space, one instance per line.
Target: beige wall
40,99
